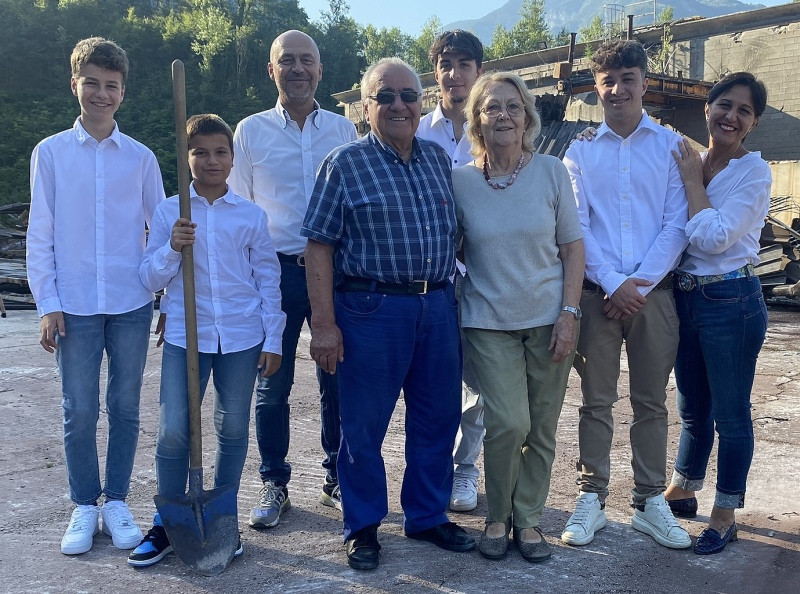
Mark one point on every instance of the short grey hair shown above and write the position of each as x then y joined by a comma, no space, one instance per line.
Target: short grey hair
533,123
367,82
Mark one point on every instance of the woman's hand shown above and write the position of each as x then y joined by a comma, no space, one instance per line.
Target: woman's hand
690,163
564,337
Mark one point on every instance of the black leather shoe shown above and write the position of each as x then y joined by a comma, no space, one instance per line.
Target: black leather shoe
447,536
363,550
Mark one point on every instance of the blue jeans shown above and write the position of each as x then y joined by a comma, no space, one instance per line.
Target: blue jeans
272,394
392,343
234,378
722,328
124,338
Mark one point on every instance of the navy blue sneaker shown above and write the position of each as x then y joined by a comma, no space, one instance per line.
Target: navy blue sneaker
153,548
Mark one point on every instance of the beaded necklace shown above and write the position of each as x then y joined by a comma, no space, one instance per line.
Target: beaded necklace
505,184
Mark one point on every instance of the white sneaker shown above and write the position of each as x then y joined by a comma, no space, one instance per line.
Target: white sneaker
118,523
588,518
657,521
465,493
81,530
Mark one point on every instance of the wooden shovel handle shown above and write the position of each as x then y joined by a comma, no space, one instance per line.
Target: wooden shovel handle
187,260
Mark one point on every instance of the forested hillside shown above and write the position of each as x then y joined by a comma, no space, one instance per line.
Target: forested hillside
223,43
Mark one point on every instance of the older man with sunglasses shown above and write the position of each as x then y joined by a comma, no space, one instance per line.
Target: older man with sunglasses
381,222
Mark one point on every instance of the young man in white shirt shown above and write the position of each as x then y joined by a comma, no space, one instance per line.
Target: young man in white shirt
633,212
457,59
93,190
277,155
239,317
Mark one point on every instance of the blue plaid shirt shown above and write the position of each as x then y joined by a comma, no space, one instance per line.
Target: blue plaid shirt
389,221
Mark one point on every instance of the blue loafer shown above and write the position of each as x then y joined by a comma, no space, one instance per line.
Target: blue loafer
711,542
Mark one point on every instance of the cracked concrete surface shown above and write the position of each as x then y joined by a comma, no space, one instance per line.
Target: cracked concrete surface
305,553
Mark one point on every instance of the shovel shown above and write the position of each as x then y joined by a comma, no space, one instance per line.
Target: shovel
201,525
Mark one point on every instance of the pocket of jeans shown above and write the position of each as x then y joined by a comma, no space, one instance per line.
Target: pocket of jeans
754,305
360,303
721,292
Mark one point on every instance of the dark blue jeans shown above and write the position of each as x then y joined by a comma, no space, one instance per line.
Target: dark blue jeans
722,328
272,393
393,343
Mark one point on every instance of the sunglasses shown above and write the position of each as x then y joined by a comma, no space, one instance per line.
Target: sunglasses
387,97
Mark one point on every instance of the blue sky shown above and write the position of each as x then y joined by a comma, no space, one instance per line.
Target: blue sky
410,15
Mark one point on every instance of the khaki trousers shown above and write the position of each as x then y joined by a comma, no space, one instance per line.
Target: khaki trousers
651,343
523,391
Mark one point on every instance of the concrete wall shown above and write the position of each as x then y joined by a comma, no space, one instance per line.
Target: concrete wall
772,53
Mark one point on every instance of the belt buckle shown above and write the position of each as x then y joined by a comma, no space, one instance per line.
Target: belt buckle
686,281
424,287
301,260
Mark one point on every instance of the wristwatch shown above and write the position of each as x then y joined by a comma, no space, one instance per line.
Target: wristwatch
575,311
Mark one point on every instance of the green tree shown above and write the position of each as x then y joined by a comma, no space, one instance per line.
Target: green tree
418,52
340,40
665,16
384,43
593,31
526,35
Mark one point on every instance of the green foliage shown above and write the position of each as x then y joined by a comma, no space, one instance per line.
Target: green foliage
418,51
665,16
383,43
224,45
593,31
528,35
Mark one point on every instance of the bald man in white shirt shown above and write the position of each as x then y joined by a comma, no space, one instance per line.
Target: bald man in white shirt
277,155
633,212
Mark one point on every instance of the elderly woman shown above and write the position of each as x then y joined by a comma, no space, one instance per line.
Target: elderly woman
523,248
721,309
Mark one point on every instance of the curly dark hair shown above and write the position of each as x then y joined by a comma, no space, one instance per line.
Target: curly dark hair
619,54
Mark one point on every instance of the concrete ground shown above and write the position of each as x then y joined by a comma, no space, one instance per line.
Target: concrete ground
305,552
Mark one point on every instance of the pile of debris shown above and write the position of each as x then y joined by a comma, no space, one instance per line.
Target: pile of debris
779,269
13,279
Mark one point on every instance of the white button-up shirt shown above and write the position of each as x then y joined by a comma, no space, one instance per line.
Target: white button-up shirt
90,202
436,127
725,237
275,165
631,203
236,275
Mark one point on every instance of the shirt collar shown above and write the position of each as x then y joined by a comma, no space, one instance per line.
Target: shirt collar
82,135
646,123
284,116
228,197
438,116
386,148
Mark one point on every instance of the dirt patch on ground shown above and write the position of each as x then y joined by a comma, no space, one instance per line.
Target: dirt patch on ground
305,552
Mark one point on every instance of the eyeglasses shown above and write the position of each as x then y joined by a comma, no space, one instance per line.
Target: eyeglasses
512,110
387,97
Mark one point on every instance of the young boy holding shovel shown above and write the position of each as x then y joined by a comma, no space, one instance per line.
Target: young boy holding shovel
239,317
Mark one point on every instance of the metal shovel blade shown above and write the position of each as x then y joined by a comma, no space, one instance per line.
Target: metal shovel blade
202,528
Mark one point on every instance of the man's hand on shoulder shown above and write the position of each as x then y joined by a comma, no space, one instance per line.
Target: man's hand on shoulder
51,324
627,299
326,346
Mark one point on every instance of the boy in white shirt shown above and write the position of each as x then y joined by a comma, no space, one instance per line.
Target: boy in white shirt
239,317
633,211
93,190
